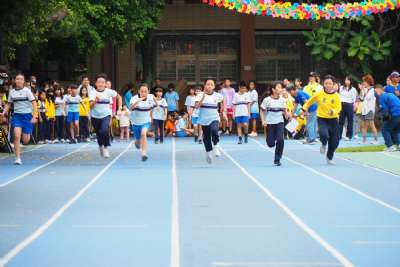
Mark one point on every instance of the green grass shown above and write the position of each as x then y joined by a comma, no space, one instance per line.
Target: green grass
379,148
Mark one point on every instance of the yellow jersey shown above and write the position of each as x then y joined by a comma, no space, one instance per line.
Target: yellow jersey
50,109
289,104
329,104
84,107
312,88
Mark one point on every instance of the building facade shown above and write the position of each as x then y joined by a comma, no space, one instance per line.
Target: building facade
194,41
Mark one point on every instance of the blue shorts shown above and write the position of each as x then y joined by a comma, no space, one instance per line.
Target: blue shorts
72,117
254,115
180,134
23,121
242,119
195,120
137,130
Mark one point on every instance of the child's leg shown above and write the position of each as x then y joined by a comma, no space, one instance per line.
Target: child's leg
239,130
364,128
161,127
271,135
143,139
76,123
323,129
71,129
373,129
279,132
207,137
17,141
214,132
333,138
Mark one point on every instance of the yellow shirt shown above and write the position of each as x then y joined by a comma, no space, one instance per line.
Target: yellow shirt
289,104
329,105
312,88
84,111
50,109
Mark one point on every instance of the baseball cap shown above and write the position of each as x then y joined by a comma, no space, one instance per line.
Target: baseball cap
395,74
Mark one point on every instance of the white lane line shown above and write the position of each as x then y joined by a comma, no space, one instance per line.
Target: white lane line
380,243
391,154
334,180
108,226
175,239
227,226
274,263
24,151
32,237
297,220
367,226
40,167
353,161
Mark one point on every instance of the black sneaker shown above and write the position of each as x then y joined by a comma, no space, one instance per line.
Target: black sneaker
196,138
162,141
156,142
240,141
200,141
144,158
137,145
277,163
246,139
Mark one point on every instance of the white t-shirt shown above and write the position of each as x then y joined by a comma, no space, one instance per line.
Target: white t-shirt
241,103
72,102
141,113
209,108
102,108
22,100
368,102
180,124
189,100
159,111
59,103
348,95
196,111
273,109
123,116
254,99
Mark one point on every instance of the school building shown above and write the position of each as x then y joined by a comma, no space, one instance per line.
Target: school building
194,41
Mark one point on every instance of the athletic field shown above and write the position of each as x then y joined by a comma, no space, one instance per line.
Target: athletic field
66,206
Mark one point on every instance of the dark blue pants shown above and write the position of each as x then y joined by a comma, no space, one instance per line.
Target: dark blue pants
210,135
391,131
275,138
60,127
50,129
329,135
42,126
159,126
84,126
102,129
347,113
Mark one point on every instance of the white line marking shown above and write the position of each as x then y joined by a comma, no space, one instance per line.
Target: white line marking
353,161
307,229
368,226
334,180
275,263
391,154
106,226
175,239
40,167
24,151
384,243
32,237
239,226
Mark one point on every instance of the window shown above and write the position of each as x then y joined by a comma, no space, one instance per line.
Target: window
277,57
195,59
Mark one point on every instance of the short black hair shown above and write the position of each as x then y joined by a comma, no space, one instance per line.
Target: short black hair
159,89
101,75
330,77
171,85
378,86
242,84
73,86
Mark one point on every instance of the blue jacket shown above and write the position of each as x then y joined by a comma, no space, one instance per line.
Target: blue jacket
390,103
302,98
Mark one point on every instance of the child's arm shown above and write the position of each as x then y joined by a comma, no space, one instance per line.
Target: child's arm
35,112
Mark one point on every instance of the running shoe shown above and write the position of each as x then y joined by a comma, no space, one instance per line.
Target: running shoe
322,149
330,161
18,161
375,142
137,145
144,158
200,141
209,157
106,153
216,150
277,163
391,149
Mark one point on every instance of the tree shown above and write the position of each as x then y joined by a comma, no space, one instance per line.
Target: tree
357,44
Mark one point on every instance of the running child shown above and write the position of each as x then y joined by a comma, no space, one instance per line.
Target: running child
72,102
254,108
198,134
272,116
142,106
241,112
25,114
100,100
159,115
328,111
124,122
209,118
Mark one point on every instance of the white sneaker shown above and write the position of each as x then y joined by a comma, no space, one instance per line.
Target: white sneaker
41,142
101,150
322,149
56,141
375,142
346,138
391,149
330,161
47,141
106,153
355,137
88,140
216,150
18,161
209,157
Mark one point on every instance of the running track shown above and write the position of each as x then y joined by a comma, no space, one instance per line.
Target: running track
68,207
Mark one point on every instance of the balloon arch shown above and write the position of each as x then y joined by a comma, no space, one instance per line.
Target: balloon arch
305,11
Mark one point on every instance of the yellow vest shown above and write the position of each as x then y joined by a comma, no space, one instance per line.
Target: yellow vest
50,109
84,111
